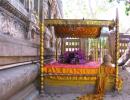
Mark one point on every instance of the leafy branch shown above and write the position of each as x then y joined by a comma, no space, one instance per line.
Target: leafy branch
126,3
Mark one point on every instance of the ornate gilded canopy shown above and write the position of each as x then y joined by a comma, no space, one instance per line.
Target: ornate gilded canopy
78,31
78,28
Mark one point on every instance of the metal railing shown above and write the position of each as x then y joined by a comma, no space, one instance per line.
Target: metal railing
22,63
17,64
124,40
107,44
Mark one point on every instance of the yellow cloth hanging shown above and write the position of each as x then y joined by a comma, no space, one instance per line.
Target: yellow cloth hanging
101,84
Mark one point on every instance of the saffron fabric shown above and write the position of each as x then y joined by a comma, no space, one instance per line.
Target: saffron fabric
91,71
104,78
91,64
88,68
55,82
91,68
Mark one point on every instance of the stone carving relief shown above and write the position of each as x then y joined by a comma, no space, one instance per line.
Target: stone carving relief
3,23
47,38
53,8
53,38
11,26
45,9
49,5
29,32
50,11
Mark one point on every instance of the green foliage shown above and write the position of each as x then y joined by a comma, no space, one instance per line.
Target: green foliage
126,3
127,9
111,0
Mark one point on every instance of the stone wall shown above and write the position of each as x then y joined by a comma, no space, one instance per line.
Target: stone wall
19,38
19,42
15,79
10,25
16,44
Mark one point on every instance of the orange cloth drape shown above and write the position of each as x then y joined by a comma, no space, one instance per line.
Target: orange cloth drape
89,71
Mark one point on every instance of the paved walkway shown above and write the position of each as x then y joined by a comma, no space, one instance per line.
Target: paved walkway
124,95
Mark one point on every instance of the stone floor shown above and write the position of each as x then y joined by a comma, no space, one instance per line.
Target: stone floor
124,95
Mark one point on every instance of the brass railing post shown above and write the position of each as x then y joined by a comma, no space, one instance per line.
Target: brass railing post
41,26
56,52
61,46
117,49
96,46
41,58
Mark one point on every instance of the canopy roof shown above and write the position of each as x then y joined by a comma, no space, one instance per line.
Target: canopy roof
78,28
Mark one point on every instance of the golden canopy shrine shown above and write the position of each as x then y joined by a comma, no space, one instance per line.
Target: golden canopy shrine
56,77
78,28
